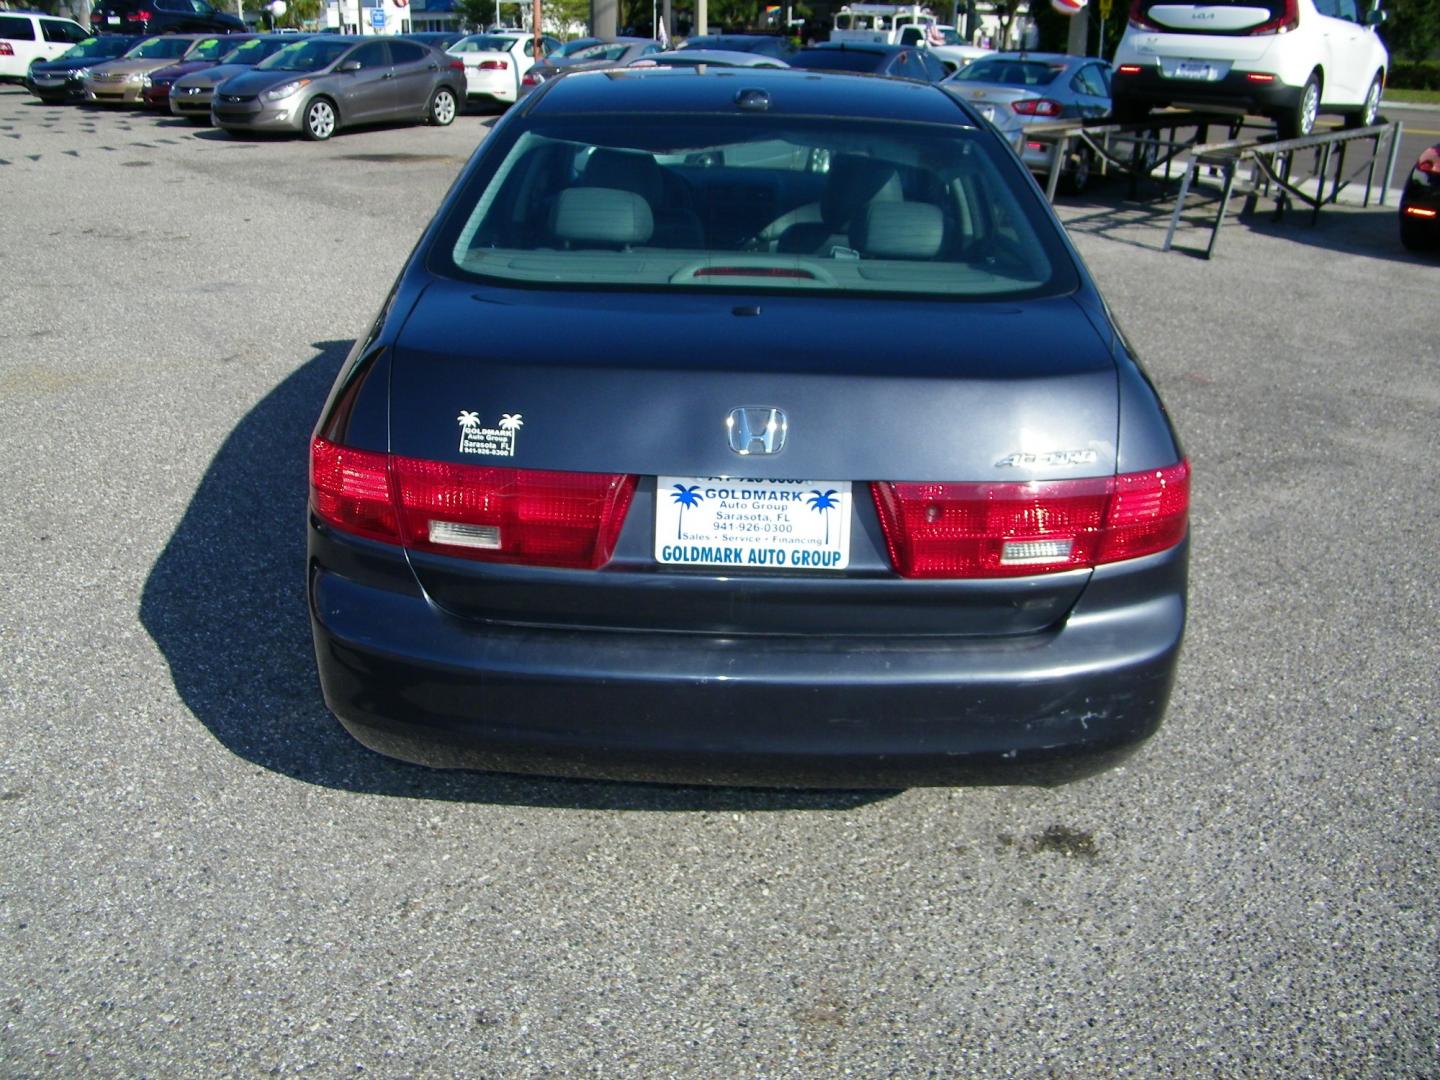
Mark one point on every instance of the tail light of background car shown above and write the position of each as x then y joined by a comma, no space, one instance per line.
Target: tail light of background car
1128,69
985,530
530,516
1036,107
6,49
141,16
493,65
456,65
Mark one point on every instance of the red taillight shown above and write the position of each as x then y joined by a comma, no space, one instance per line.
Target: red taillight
457,65
531,79
1138,18
530,516
493,65
1259,77
6,49
140,16
1128,69
1428,165
350,489
1286,21
983,530
1421,212
1036,107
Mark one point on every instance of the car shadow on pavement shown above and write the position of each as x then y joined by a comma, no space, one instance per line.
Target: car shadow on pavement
225,603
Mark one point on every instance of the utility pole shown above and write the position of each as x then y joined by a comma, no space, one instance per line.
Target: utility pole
604,15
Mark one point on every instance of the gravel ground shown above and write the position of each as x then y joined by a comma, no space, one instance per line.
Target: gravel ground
202,875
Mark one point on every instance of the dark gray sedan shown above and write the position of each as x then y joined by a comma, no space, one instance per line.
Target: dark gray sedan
321,84
190,96
830,467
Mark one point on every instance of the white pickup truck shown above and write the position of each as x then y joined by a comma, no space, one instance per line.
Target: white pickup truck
904,24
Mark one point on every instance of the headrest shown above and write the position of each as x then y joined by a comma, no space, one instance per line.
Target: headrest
899,230
596,215
853,183
625,171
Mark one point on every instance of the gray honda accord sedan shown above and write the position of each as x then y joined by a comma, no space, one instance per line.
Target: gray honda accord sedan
321,84
743,426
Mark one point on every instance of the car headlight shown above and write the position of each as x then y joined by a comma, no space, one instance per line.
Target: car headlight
286,90
80,73
146,82
137,77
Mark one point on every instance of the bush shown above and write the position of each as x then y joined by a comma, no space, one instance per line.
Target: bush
1413,75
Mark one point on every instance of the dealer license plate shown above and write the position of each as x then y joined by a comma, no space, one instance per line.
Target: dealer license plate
1191,70
112,20
780,524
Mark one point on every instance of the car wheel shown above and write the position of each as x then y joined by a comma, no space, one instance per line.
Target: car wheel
1300,121
1126,111
1370,111
442,107
320,120
1415,236
1076,179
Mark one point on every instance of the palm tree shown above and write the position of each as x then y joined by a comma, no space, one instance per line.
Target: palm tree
823,503
468,419
511,422
687,498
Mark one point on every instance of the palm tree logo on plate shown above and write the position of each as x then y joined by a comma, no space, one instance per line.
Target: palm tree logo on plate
468,419
511,422
688,498
822,502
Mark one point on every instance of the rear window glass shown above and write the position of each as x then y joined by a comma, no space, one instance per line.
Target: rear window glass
716,201
16,29
1222,16
838,60
1010,72
483,43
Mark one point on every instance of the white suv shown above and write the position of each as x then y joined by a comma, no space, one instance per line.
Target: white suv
1286,59
27,36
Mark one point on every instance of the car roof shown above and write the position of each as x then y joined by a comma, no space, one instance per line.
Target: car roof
791,93
857,46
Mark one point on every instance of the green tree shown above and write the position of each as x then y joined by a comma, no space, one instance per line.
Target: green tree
475,14
1412,30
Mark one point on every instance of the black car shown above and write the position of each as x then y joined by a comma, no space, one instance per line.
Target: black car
163,17
747,426
436,39
1420,203
60,79
897,61
778,47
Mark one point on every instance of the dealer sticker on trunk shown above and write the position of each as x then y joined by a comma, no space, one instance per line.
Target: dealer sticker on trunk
790,524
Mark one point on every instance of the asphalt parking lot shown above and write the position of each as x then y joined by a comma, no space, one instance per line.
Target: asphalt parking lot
204,876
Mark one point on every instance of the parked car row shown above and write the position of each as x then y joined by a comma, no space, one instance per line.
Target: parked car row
312,84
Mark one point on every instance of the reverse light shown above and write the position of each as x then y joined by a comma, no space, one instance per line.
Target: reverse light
985,530
528,516
1036,107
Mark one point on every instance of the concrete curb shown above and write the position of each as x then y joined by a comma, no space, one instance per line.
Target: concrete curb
1418,107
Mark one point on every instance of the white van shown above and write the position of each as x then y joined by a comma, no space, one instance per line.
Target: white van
26,36
1286,59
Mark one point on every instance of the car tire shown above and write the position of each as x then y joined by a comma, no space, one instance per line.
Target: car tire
1415,236
1370,111
1128,111
443,107
1300,121
320,120
1075,180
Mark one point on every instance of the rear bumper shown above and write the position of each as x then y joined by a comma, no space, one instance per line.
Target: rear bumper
414,683
1235,91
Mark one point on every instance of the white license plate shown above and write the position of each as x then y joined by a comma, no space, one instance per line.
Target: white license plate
778,524
1191,70
113,20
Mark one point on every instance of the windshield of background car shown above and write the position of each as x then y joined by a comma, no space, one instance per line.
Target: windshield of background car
1010,72
209,49
96,47
253,51
600,51
159,48
839,60
482,43
570,48
305,56
701,200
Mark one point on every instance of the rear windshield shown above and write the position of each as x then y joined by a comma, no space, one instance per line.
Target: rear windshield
1010,72
482,43
1220,16
703,201
305,56
570,48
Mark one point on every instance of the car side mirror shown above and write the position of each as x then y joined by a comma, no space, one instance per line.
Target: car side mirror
350,65
1376,16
